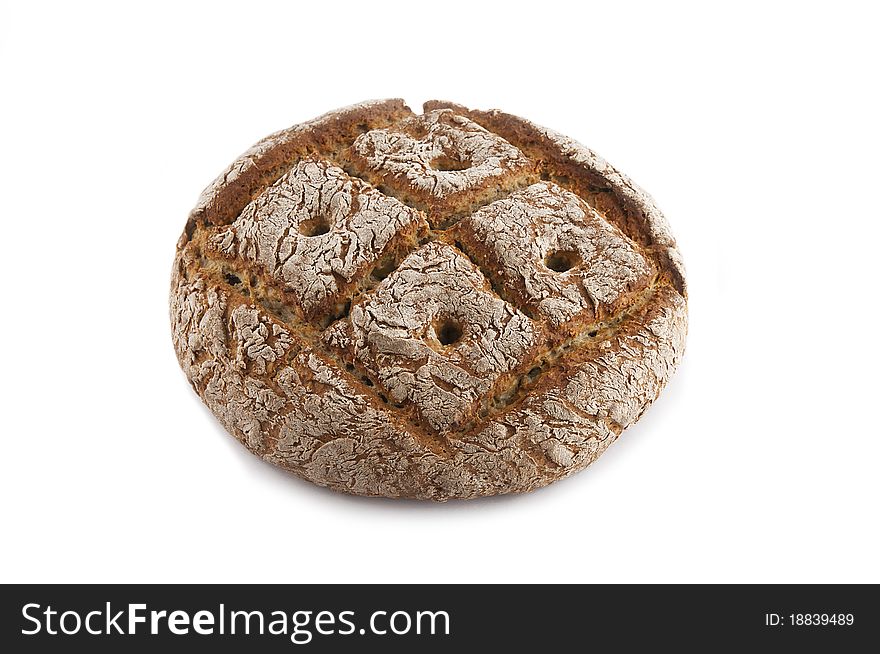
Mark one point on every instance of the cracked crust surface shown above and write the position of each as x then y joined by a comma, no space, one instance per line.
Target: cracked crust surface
398,334
487,319
555,254
438,161
317,230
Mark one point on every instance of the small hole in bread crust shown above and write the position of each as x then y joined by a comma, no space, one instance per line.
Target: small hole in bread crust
448,331
385,267
562,260
446,163
314,227
233,279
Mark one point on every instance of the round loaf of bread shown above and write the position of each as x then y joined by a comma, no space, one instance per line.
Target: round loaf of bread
442,305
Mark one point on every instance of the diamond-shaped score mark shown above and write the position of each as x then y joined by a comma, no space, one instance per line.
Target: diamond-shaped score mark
318,231
555,255
439,161
434,334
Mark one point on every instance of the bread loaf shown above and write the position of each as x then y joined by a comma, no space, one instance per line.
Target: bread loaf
445,305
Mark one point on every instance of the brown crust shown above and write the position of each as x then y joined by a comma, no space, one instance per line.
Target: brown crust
614,195
512,238
269,158
440,162
305,389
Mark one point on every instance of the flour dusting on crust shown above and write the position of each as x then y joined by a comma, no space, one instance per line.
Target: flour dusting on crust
490,330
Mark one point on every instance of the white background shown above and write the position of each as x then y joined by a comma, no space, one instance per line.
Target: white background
756,130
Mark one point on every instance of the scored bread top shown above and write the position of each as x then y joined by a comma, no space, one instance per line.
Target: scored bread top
439,161
316,230
434,334
451,304
555,254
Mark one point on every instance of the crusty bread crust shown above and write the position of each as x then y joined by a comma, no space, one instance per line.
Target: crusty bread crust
410,360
